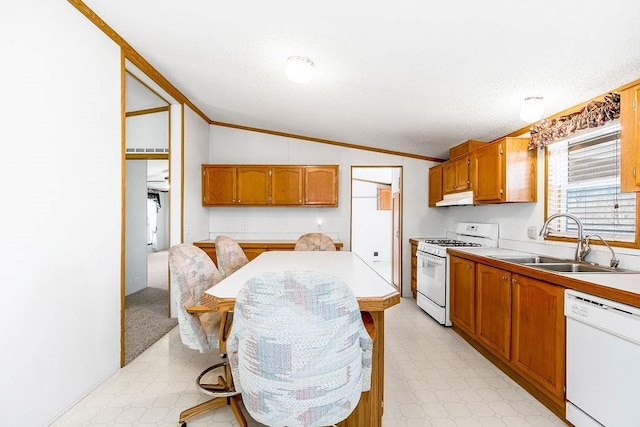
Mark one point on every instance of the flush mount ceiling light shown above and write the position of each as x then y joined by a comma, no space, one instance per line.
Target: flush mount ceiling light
532,109
299,69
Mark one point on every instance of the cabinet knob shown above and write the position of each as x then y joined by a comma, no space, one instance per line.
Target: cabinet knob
514,281
468,267
504,277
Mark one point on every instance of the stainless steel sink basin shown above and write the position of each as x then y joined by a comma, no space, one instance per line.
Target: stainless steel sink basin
559,265
575,267
533,259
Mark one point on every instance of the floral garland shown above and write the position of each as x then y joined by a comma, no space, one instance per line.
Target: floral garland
594,114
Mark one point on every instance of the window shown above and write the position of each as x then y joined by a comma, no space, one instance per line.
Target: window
583,179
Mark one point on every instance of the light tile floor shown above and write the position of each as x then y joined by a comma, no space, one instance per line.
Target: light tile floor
432,378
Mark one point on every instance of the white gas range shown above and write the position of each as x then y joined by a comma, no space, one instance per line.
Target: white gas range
433,265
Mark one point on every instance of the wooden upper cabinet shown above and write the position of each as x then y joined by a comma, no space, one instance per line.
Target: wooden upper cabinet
218,185
435,185
269,185
504,171
286,185
254,185
538,334
630,139
321,185
493,309
463,291
455,175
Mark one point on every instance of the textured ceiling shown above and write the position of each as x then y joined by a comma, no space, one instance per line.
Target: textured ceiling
411,76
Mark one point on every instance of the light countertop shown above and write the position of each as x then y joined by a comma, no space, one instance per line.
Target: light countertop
624,282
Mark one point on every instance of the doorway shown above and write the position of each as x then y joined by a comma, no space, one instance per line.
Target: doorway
376,219
145,288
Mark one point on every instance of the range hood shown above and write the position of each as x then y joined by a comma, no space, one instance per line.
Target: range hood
457,199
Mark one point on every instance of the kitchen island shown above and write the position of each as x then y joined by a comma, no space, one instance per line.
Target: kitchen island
373,293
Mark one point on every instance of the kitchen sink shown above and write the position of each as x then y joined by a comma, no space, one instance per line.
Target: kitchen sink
559,265
575,267
533,259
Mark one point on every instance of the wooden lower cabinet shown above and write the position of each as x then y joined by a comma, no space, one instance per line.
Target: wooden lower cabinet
538,333
463,289
493,309
516,321
252,248
414,268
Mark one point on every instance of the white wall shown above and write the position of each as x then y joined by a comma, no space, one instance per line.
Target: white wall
148,130
135,272
372,228
60,220
515,218
163,222
196,152
237,146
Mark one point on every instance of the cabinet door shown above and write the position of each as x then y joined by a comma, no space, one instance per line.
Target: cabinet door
629,144
455,175
218,185
493,309
254,185
321,185
449,182
462,174
538,333
463,289
435,185
286,185
488,173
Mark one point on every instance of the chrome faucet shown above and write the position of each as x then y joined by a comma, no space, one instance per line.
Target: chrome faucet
614,261
580,249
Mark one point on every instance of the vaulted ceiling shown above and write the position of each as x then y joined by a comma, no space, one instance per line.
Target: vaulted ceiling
410,76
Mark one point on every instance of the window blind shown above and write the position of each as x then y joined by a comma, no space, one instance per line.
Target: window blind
584,180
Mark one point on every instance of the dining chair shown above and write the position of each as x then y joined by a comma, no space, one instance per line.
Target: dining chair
299,351
314,242
202,329
230,255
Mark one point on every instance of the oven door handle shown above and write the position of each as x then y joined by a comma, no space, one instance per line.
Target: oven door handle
430,258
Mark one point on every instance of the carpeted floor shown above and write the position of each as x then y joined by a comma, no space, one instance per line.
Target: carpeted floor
145,315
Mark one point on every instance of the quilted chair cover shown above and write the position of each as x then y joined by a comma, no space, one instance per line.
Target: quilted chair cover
299,352
315,242
192,273
230,255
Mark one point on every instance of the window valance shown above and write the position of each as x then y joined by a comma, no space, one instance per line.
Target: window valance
594,114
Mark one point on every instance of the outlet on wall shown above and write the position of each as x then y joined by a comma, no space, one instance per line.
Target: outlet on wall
244,226
532,232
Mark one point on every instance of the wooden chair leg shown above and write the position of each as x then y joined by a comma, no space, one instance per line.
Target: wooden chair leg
235,407
215,403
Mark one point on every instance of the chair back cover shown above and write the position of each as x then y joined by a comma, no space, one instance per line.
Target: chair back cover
230,255
192,273
299,352
315,242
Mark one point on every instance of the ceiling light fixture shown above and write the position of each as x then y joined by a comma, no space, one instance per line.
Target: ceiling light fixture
532,109
299,69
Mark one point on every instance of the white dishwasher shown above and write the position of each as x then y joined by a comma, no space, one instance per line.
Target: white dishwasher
603,361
